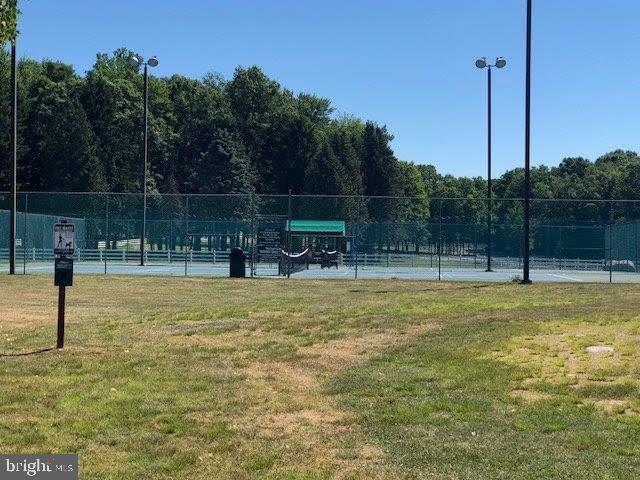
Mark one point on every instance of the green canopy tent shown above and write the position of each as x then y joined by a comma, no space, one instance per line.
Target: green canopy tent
317,234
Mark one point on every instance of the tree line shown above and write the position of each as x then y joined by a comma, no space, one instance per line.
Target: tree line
84,133
250,134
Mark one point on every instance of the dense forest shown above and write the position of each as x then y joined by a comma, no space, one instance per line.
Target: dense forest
248,134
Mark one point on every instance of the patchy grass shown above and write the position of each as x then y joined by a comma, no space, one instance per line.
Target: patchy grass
201,378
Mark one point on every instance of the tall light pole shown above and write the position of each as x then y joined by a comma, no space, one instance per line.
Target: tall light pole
482,63
136,61
9,13
527,153
14,157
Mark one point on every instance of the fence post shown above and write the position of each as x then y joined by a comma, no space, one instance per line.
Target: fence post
635,237
610,249
186,242
475,245
253,239
106,231
25,235
355,247
289,237
440,243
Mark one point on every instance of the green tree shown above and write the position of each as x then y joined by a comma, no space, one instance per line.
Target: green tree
224,167
9,12
415,208
60,139
114,107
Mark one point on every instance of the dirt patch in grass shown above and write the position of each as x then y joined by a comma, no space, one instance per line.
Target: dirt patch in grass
615,406
343,353
560,365
531,395
295,405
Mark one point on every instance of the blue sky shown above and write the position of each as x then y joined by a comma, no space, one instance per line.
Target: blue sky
408,64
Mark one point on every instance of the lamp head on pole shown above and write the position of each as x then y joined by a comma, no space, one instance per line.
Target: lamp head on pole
481,62
153,61
501,62
135,61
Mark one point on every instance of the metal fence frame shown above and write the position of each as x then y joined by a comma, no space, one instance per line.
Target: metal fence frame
179,213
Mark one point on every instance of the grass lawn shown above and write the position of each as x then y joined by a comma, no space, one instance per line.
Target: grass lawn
221,379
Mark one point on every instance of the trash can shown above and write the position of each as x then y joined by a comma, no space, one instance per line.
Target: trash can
237,263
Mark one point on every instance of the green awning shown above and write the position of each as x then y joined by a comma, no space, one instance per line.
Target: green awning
318,227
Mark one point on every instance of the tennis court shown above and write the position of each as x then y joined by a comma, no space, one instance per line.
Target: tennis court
344,272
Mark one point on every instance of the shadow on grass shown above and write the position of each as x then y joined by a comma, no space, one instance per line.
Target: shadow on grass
24,354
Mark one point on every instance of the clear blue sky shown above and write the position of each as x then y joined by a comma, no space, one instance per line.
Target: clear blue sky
408,64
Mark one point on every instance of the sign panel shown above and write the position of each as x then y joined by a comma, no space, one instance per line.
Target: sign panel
64,238
270,242
63,276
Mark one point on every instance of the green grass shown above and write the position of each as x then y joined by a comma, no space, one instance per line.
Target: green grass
210,378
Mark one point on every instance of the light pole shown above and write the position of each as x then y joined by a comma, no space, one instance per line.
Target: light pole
482,63
527,153
14,157
136,61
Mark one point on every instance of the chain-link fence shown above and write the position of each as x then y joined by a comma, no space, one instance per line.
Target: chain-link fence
384,237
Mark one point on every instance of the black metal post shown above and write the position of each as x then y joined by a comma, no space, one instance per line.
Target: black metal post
14,157
143,232
475,246
489,190
610,253
635,240
440,243
25,236
289,237
355,247
253,234
106,232
527,153
187,243
61,302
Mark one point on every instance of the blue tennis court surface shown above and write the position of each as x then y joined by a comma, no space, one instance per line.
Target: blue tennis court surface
344,272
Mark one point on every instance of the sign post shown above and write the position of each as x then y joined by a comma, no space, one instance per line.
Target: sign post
61,304
63,246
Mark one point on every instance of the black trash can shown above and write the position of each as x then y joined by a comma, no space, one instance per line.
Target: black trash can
237,263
